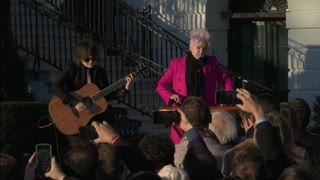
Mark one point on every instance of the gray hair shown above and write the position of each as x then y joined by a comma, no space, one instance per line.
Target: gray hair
226,131
199,35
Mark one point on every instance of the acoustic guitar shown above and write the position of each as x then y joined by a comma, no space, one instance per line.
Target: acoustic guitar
68,120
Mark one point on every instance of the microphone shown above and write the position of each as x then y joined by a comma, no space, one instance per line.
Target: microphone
202,60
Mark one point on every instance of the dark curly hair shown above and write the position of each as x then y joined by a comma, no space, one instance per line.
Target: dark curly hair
81,159
157,149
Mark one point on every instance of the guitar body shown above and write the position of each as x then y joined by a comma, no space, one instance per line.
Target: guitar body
67,119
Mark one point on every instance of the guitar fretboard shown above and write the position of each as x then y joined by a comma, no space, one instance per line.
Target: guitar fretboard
109,89
113,86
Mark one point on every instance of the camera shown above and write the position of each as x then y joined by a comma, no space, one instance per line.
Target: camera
43,158
166,117
227,98
88,132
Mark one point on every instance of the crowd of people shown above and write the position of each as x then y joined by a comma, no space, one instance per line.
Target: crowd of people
209,148
265,140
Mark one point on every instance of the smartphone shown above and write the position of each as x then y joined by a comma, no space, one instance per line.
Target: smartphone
88,132
166,117
43,158
227,98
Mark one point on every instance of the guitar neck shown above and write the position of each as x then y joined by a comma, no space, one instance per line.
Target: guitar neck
109,89
115,85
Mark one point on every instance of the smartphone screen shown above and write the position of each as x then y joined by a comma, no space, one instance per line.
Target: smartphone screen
166,117
43,158
227,98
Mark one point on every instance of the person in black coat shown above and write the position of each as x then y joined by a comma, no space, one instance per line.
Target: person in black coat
83,70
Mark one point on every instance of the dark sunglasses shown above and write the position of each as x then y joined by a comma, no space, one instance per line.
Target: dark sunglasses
87,59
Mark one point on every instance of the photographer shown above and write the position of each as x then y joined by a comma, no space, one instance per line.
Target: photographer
55,171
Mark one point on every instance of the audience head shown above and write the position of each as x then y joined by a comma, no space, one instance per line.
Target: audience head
81,160
269,102
224,126
243,114
249,163
295,173
197,162
197,111
110,163
10,168
289,114
315,166
170,172
157,149
303,111
285,132
143,175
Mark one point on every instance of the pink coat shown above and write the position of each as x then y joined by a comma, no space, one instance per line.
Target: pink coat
176,76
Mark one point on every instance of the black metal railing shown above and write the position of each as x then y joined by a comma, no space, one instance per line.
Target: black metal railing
50,34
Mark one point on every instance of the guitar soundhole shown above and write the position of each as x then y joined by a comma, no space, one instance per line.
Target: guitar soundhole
94,109
91,107
87,102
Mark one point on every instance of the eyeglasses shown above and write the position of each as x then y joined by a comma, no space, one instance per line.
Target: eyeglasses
87,59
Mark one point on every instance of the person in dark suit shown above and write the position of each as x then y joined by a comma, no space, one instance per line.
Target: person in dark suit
266,137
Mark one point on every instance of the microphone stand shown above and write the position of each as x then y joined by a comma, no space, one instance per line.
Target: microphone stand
244,81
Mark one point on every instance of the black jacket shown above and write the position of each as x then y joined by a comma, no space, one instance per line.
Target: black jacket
74,77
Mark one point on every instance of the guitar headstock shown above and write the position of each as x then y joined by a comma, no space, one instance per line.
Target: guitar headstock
142,70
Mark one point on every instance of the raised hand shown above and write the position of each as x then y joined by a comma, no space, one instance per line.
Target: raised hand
105,131
251,103
55,171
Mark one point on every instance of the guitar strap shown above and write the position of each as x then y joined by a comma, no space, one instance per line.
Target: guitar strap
88,76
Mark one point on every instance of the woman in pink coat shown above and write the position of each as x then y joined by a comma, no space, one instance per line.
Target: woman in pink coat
195,74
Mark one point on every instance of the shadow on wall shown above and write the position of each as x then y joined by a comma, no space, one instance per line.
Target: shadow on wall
302,63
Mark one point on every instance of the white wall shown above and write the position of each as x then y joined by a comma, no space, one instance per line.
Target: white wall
303,25
181,16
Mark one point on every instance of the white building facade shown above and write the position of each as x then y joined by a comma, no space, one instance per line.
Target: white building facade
302,22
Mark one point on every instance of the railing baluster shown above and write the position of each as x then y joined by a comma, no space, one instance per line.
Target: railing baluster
132,38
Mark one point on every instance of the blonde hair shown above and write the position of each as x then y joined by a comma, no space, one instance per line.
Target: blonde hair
277,120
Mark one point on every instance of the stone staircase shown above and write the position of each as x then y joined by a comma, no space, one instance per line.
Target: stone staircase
40,74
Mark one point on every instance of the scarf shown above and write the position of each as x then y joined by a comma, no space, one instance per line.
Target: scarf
194,77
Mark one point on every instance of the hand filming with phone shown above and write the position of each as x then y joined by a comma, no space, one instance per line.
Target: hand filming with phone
42,164
43,158
227,98
166,117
